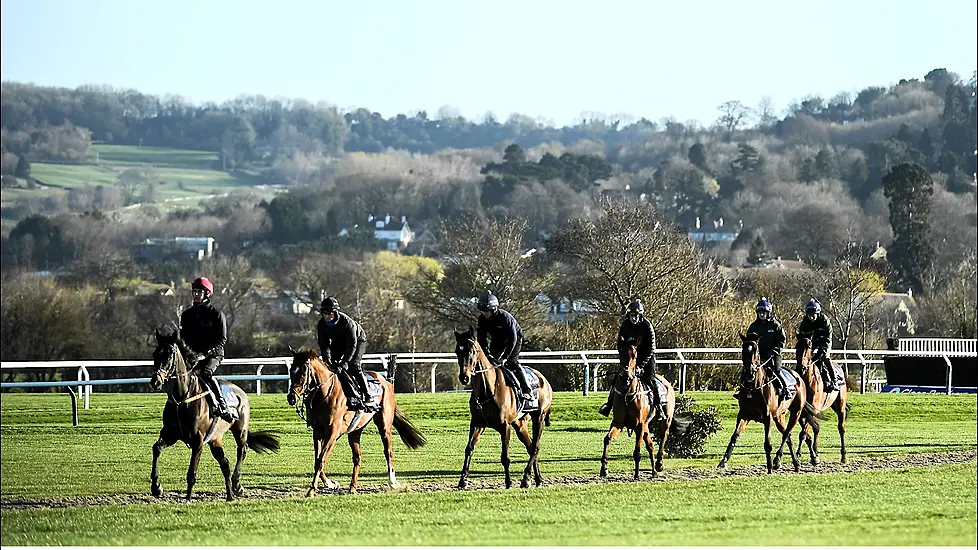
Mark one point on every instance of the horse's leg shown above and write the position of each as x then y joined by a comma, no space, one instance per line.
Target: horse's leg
196,448
662,442
324,452
241,438
475,432
217,449
318,437
739,429
163,442
650,447
785,437
505,434
612,433
805,437
538,423
524,436
840,412
767,441
384,424
354,438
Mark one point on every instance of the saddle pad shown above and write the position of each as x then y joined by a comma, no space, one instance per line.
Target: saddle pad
374,387
660,390
230,398
532,381
790,376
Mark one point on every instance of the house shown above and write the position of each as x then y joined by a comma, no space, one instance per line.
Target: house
291,302
175,248
396,235
566,310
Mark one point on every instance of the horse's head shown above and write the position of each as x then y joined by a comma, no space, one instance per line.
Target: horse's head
751,373
628,355
803,351
300,373
165,358
467,352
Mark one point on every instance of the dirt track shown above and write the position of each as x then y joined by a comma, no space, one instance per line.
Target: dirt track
496,482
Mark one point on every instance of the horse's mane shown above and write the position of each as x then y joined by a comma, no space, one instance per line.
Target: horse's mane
306,352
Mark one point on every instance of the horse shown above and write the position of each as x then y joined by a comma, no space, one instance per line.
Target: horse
316,389
493,404
632,410
186,418
819,400
759,402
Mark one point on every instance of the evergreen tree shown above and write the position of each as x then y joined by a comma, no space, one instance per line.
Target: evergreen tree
909,188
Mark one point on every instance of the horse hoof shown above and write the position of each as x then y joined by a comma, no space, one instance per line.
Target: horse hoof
722,466
230,497
238,491
604,472
658,466
157,491
525,484
509,484
538,481
310,493
463,484
353,490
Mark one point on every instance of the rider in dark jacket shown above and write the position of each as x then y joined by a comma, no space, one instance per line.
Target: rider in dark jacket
817,325
203,331
501,339
342,342
636,328
771,339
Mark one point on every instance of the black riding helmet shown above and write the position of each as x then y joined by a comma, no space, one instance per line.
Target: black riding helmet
487,302
329,305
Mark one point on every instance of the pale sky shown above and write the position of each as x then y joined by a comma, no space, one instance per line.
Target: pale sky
550,59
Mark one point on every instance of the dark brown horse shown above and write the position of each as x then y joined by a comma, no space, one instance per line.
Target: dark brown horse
759,402
632,410
317,390
819,400
186,417
493,405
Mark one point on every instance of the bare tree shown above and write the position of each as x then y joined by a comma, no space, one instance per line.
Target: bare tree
734,115
480,256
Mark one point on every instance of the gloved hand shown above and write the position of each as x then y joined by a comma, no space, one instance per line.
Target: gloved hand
342,366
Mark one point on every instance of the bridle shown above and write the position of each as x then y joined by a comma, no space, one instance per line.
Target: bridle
309,386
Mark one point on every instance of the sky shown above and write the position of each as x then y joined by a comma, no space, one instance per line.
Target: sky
554,60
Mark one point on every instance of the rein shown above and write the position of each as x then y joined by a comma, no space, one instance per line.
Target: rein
309,388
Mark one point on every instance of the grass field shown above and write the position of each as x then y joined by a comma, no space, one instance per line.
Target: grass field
106,461
195,170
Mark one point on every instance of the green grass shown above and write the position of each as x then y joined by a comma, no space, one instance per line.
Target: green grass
196,170
109,454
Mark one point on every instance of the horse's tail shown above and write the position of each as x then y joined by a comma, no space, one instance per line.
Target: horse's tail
410,435
809,413
263,442
546,419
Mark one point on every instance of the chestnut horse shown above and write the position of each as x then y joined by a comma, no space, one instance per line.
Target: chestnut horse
632,410
317,390
819,399
493,405
186,417
759,402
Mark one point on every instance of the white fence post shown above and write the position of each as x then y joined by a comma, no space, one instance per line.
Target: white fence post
433,377
587,373
682,372
948,361
258,380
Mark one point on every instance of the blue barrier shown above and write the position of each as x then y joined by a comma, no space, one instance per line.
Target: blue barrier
926,389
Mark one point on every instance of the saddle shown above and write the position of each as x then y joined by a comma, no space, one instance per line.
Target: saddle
230,398
836,377
524,405
374,389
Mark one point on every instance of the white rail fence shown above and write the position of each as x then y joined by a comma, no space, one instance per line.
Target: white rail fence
589,361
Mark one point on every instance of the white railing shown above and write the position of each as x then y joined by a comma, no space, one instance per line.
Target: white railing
954,345
588,359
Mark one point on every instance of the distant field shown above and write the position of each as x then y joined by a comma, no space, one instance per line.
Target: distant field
195,170
911,481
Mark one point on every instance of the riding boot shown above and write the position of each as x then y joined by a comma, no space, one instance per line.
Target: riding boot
524,384
828,377
221,405
369,402
605,409
350,389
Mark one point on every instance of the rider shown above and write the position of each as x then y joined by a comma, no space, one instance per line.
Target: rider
817,324
342,342
635,327
501,338
203,330
771,338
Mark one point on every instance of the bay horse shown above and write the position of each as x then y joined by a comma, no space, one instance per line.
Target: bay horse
316,388
819,399
493,404
632,410
759,402
186,418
